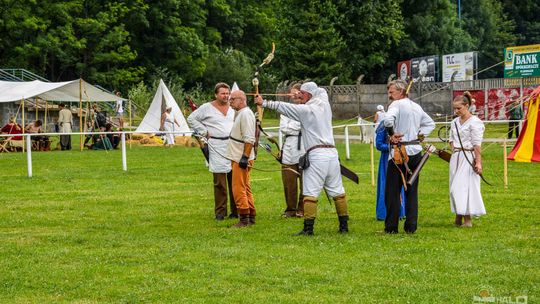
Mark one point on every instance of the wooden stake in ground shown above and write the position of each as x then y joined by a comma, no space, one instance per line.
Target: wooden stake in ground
372,161
505,165
80,115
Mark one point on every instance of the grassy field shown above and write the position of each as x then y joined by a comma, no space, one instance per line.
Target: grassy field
83,231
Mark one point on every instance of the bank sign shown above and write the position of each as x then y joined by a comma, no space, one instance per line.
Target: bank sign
522,61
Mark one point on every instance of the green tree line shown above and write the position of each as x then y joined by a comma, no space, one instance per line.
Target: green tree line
196,43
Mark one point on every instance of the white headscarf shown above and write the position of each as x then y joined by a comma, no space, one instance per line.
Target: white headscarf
310,87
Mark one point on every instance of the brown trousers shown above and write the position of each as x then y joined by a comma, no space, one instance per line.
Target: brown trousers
293,196
243,196
221,181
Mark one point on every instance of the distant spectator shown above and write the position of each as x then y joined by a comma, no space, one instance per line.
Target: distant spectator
65,122
119,110
12,127
113,138
515,113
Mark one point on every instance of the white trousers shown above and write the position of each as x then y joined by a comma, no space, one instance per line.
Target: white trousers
323,172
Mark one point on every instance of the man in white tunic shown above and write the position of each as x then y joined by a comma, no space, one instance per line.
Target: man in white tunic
315,116
466,135
214,120
406,123
291,151
65,122
241,153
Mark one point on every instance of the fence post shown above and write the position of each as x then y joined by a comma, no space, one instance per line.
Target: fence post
372,162
505,165
29,154
124,161
347,148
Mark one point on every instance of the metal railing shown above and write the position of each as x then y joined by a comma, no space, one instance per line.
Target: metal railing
21,75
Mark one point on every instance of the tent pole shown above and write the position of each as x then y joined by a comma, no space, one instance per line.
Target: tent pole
505,165
80,115
372,162
23,126
45,116
130,121
36,104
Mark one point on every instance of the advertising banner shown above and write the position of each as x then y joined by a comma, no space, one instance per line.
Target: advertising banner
404,69
499,102
464,64
425,69
522,61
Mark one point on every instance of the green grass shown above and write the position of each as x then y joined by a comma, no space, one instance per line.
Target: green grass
82,230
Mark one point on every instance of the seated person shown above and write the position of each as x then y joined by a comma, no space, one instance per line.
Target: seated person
41,143
113,138
12,127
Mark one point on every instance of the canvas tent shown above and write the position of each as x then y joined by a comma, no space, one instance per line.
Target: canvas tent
162,100
53,91
527,147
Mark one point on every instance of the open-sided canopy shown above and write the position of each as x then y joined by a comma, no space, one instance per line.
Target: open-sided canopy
53,91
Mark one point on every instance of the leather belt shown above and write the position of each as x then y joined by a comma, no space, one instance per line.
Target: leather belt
221,138
319,146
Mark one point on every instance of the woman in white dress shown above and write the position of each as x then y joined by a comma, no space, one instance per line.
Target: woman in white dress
167,124
466,163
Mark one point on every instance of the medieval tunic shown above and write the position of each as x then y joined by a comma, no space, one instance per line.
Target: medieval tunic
407,118
381,143
169,127
315,116
243,131
291,151
465,195
207,119
65,121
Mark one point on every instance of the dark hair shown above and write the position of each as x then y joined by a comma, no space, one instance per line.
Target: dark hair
38,123
220,85
62,105
465,98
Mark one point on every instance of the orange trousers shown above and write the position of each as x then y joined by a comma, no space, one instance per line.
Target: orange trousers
243,197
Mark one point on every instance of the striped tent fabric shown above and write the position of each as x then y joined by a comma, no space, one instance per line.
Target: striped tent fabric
527,148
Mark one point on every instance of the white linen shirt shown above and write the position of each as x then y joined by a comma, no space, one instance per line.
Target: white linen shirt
408,118
243,129
207,119
471,133
315,117
289,151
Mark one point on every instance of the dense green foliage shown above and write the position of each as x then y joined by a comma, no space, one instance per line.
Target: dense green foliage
196,43
83,231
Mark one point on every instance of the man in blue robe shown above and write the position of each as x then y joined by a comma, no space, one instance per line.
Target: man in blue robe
381,143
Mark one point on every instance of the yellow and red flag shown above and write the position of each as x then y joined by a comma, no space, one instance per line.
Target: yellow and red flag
527,148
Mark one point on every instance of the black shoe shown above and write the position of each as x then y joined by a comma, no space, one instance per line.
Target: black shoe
308,228
233,216
343,224
220,217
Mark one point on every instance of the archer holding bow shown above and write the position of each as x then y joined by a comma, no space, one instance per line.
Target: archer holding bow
407,124
321,167
466,135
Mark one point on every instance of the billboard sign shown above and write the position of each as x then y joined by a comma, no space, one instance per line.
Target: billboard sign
404,69
522,61
425,69
463,64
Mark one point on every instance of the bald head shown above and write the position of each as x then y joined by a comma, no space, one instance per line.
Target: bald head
238,100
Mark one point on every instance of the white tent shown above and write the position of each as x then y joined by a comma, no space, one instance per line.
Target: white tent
162,100
53,91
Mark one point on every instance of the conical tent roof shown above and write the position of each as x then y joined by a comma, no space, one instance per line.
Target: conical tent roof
162,100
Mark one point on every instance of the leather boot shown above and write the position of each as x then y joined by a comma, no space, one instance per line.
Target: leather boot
243,222
308,227
343,224
251,220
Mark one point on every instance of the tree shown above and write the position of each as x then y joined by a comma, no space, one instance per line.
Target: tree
524,14
309,43
371,29
490,32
